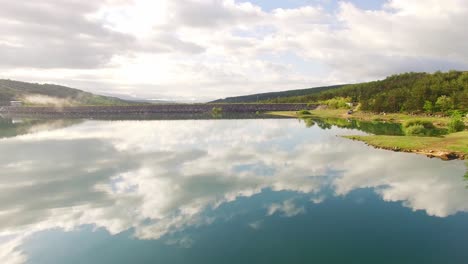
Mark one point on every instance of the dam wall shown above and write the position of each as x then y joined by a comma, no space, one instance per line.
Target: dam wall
153,109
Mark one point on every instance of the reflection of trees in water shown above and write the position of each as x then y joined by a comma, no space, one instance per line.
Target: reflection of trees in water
377,128
466,174
309,122
10,127
324,125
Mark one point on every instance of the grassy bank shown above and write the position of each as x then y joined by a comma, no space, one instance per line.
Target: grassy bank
451,146
365,116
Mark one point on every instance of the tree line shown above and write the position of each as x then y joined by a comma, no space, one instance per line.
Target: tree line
407,92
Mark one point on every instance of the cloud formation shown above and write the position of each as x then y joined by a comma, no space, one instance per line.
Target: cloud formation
287,209
213,48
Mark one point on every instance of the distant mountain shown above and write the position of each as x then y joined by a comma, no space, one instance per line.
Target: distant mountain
51,94
152,101
142,100
275,95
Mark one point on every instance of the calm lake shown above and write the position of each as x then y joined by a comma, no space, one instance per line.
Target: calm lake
222,191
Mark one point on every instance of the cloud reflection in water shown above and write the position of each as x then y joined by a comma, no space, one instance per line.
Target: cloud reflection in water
158,177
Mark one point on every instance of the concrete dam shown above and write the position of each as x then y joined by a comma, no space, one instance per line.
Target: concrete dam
151,109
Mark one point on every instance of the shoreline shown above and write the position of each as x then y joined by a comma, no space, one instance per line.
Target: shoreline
430,153
449,147
365,116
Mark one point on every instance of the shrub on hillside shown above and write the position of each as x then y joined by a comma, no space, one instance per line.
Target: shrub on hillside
337,102
456,123
428,107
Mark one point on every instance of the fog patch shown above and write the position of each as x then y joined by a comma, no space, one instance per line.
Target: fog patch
39,99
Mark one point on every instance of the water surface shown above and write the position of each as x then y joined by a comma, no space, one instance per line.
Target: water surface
221,191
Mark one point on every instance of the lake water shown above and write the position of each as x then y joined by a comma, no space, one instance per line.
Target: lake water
221,191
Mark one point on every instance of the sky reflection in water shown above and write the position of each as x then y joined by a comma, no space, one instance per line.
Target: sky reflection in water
164,186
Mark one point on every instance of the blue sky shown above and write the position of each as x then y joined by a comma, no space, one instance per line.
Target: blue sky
330,5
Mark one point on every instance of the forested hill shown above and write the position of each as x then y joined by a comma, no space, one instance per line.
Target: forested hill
49,94
407,92
275,95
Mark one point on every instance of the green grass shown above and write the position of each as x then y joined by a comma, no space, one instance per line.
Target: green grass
456,142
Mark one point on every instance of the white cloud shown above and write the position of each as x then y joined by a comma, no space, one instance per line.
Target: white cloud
10,253
286,208
216,48
256,225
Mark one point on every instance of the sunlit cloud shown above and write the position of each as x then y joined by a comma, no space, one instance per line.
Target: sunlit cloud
216,48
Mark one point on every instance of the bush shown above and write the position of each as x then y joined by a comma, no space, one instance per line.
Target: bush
456,123
216,111
416,130
456,126
303,112
337,102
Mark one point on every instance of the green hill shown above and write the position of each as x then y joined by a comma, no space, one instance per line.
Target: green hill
50,94
275,95
407,92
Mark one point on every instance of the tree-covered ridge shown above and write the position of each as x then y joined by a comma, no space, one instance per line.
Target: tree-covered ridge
252,98
407,92
51,94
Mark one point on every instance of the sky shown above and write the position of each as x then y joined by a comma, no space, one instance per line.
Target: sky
198,50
